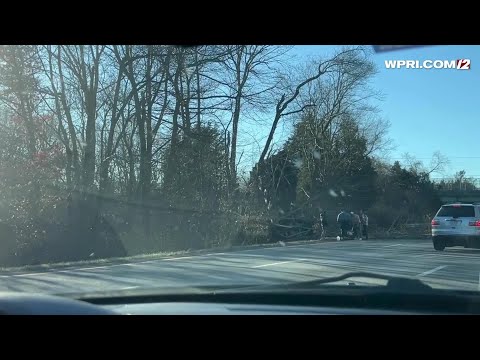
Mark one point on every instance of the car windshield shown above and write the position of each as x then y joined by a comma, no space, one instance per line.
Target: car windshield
160,166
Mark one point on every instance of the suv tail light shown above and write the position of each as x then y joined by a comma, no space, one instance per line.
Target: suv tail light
436,222
474,223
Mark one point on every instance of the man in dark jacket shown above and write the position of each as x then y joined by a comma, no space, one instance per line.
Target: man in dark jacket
357,224
344,219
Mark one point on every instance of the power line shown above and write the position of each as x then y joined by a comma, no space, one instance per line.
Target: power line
430,158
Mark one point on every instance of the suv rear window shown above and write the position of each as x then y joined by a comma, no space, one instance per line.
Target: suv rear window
457,211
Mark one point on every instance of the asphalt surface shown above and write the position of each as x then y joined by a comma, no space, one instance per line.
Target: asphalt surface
455,268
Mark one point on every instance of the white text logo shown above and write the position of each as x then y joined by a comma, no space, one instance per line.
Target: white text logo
460,64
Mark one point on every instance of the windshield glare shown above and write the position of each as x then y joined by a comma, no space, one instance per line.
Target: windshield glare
149,166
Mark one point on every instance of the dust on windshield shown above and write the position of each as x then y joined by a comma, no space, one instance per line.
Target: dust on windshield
127,166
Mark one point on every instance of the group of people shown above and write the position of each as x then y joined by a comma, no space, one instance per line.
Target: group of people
353,225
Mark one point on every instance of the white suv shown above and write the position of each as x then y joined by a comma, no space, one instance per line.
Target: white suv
456,225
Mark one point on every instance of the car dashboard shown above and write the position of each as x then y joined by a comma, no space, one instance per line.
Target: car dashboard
238,309
33,304
318,302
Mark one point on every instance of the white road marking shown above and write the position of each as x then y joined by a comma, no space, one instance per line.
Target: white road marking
179,258
303,246
29,274
217,277
130,287
57,271
432,271
387,246
94,267
250,255
422,255
277,263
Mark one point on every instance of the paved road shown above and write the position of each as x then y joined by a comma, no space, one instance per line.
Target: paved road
454,268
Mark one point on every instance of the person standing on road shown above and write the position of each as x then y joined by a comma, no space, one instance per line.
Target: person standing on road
317,223
323,223
364,219
344,219
356,226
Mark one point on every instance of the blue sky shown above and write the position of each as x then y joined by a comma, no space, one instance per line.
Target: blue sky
429,110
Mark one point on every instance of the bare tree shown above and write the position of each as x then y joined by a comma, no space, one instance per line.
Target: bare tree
347,69
117,95
437,163
84,64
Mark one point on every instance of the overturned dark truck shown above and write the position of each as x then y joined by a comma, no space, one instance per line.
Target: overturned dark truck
297,224
291,229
